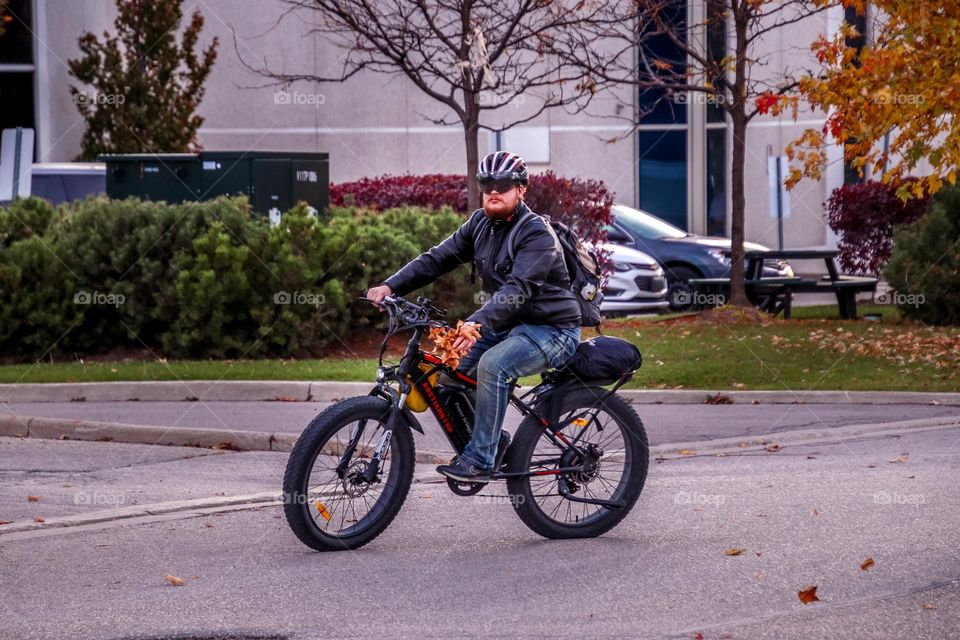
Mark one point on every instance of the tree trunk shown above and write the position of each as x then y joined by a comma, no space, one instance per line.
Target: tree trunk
738,117
471,137
738,294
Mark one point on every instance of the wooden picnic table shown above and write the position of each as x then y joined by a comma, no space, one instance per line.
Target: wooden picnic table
776,294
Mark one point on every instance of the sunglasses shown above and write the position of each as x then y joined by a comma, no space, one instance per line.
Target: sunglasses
500,186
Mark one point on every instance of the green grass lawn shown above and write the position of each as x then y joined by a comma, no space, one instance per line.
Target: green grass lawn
815,350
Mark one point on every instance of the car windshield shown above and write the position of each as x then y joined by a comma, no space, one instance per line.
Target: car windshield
646,225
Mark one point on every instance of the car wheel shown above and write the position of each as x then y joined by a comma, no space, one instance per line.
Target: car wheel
679,292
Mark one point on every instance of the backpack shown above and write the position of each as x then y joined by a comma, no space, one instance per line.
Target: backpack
583,268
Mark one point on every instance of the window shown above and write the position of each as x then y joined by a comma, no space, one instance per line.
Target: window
662,139
16,67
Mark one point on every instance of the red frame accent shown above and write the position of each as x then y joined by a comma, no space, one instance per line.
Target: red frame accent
432,359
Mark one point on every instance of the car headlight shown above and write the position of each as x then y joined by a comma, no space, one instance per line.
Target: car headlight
720,256
621,266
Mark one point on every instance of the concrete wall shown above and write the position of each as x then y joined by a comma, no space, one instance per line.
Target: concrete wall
374,124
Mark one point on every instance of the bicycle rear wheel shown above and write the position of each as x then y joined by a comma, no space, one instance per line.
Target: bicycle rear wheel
609,437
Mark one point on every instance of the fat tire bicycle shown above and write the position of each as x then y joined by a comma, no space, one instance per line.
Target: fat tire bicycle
574,469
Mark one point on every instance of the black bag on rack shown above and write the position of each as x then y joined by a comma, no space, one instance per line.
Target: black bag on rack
603,359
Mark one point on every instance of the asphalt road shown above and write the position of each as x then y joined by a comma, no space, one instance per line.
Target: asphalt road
467,567
664,423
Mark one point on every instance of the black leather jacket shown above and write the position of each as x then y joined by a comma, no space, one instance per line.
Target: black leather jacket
533,289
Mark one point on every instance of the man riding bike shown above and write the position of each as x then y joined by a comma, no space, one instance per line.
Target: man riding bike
530,321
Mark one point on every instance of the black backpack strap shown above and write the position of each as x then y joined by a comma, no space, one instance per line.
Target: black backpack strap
525,218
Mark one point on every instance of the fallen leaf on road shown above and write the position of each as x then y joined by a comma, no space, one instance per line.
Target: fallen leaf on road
871,466
733,552
227,445
744,444
33,498
816,513
811,457
718,399
286,399
899,459
174,580
808,595
38,519
773,448
686,452
867,564
5,521
928,605
758,575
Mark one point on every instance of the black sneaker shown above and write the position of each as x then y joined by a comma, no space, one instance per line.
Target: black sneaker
463,471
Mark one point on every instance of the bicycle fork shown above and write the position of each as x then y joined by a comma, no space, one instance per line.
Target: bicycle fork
393,421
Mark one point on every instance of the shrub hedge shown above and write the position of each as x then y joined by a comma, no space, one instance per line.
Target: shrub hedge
203,279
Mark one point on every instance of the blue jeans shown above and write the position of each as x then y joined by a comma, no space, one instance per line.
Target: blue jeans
498,358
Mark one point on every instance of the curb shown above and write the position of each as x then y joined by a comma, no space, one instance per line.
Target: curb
91,431
331,391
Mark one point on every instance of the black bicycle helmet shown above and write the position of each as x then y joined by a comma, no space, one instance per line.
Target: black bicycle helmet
503,165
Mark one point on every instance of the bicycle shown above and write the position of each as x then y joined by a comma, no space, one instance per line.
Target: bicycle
575,468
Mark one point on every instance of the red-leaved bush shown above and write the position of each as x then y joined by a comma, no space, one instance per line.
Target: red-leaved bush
582,204
864,215
385,192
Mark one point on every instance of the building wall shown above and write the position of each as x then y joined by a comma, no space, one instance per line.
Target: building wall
375,124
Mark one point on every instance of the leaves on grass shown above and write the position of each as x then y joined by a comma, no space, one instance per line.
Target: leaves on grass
444,337
903,345
808,594
867,564
174,580
733,551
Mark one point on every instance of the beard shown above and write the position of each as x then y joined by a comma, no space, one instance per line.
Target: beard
499,209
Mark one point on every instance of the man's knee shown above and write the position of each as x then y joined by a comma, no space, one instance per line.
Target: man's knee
490,367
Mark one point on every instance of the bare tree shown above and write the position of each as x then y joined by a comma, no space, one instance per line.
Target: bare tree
473,56
617,44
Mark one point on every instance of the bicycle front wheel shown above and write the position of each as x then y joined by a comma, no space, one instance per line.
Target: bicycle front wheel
330,501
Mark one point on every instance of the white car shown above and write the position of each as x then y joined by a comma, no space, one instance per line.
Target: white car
635,283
